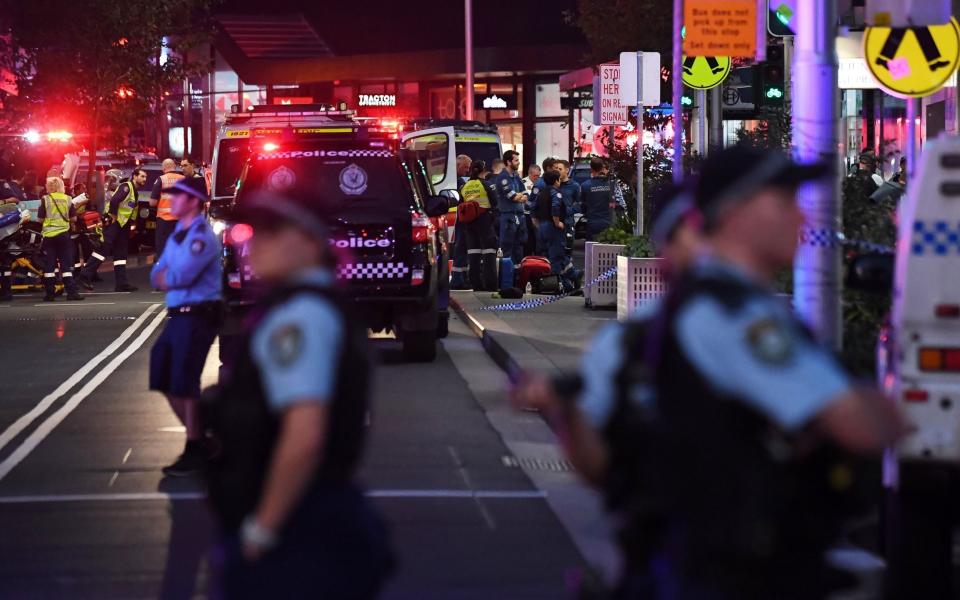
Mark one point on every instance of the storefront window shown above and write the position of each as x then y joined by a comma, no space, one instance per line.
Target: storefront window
552,141
548,100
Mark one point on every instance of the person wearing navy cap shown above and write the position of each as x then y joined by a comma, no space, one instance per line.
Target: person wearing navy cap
189,272
290,419
757,431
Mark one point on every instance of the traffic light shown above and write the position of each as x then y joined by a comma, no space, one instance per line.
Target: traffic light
782,17
686,101
772,84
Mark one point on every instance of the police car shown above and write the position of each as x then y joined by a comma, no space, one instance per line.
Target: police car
391,260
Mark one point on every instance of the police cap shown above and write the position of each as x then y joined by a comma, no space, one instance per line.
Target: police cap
193,186
737,173
271,210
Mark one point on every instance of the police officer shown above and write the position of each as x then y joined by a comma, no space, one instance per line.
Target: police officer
481,243
459,279
605,433
166,221
189,272
754,420
119,215
290,417
551,212
549,164
57,215
570,190
597,197
513,229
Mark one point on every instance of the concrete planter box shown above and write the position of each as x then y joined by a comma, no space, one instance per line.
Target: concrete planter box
599,259
638,281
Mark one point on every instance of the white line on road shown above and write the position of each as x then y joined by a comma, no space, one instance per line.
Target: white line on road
58,304
50,499
45,428
23,422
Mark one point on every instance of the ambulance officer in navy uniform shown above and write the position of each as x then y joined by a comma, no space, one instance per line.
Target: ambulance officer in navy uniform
757,429
290,417
189,272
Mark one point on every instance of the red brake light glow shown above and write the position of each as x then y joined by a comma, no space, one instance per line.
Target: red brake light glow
270,147
421,229
915,395
939,360
240,233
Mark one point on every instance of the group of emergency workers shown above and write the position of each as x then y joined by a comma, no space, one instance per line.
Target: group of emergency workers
550,198
728,443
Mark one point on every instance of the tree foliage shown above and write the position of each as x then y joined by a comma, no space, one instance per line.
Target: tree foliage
94,68
615,26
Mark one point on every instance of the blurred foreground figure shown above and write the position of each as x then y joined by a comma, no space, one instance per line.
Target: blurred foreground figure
291,420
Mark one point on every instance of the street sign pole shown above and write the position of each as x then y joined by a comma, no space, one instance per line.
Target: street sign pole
468,38
702,122
677,74
912,137
716,118
816,269
638,227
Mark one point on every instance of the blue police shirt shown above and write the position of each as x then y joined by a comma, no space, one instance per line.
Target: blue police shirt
191,259
297,346
759,353
571,198
509,186
596,197
558,205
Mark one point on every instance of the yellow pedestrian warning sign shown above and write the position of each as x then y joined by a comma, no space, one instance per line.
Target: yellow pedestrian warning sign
912,62
705,72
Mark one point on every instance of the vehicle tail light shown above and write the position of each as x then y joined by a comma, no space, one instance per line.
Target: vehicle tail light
916,395
416,277
271,147
421,228
939,359
947,311
240,234
233,280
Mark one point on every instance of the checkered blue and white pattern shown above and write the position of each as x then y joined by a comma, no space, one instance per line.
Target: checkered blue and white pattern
370,270
935,238
828,238
536,302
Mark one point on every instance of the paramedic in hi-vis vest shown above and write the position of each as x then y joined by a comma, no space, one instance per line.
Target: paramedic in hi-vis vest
118,215
166,222
56,213
481,242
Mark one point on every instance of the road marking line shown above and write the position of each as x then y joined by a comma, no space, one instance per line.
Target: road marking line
114,478
126,456
56,304
174,429
402,494
45,428
23,422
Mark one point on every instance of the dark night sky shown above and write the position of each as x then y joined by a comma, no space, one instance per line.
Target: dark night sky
371,26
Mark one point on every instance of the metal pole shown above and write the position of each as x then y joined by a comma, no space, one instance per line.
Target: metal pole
911,137
788,69
677,74
716,118
468,37
817,267
638,228
702,122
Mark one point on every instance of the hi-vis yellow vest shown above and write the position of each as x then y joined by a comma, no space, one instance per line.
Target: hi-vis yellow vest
474,191
57,219
127,207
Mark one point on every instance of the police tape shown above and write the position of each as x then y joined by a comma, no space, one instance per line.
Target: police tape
830,238
527,304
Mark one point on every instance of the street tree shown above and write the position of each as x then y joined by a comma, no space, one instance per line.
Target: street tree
98,67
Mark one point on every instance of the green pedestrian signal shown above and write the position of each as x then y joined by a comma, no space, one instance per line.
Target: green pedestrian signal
686,100
772,83
774,93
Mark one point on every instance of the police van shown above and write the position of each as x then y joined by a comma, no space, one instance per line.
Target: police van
391,260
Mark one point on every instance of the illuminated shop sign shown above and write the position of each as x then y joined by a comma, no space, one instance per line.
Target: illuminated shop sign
377,100
495,101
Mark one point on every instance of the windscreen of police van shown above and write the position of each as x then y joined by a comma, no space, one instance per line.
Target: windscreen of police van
479,146
230,158
347,174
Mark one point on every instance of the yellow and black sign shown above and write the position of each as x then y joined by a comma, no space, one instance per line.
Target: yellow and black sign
912,62
705,72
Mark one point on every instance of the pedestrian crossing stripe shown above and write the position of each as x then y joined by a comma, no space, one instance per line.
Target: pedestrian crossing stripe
705,72
912,62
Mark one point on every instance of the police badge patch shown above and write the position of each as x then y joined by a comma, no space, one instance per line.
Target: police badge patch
353,180
286,344
769,342
281,179
197,246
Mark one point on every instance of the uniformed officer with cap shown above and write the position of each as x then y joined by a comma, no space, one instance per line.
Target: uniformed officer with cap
290,417
605,432
189,272
756,425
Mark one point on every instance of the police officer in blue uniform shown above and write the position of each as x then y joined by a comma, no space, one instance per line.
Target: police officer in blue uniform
597,198
513,229
290,417
189,272
757,427
570,190
541,244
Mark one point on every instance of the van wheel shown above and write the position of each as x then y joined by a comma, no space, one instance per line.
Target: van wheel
443,325
420,346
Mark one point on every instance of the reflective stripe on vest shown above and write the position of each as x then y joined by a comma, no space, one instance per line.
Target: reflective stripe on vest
128,206
57,219
474,191
163,207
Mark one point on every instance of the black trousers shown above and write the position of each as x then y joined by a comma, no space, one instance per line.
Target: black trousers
164,230
58,249
482,253
115,242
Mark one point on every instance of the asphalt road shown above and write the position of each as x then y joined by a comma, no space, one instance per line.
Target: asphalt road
86,513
